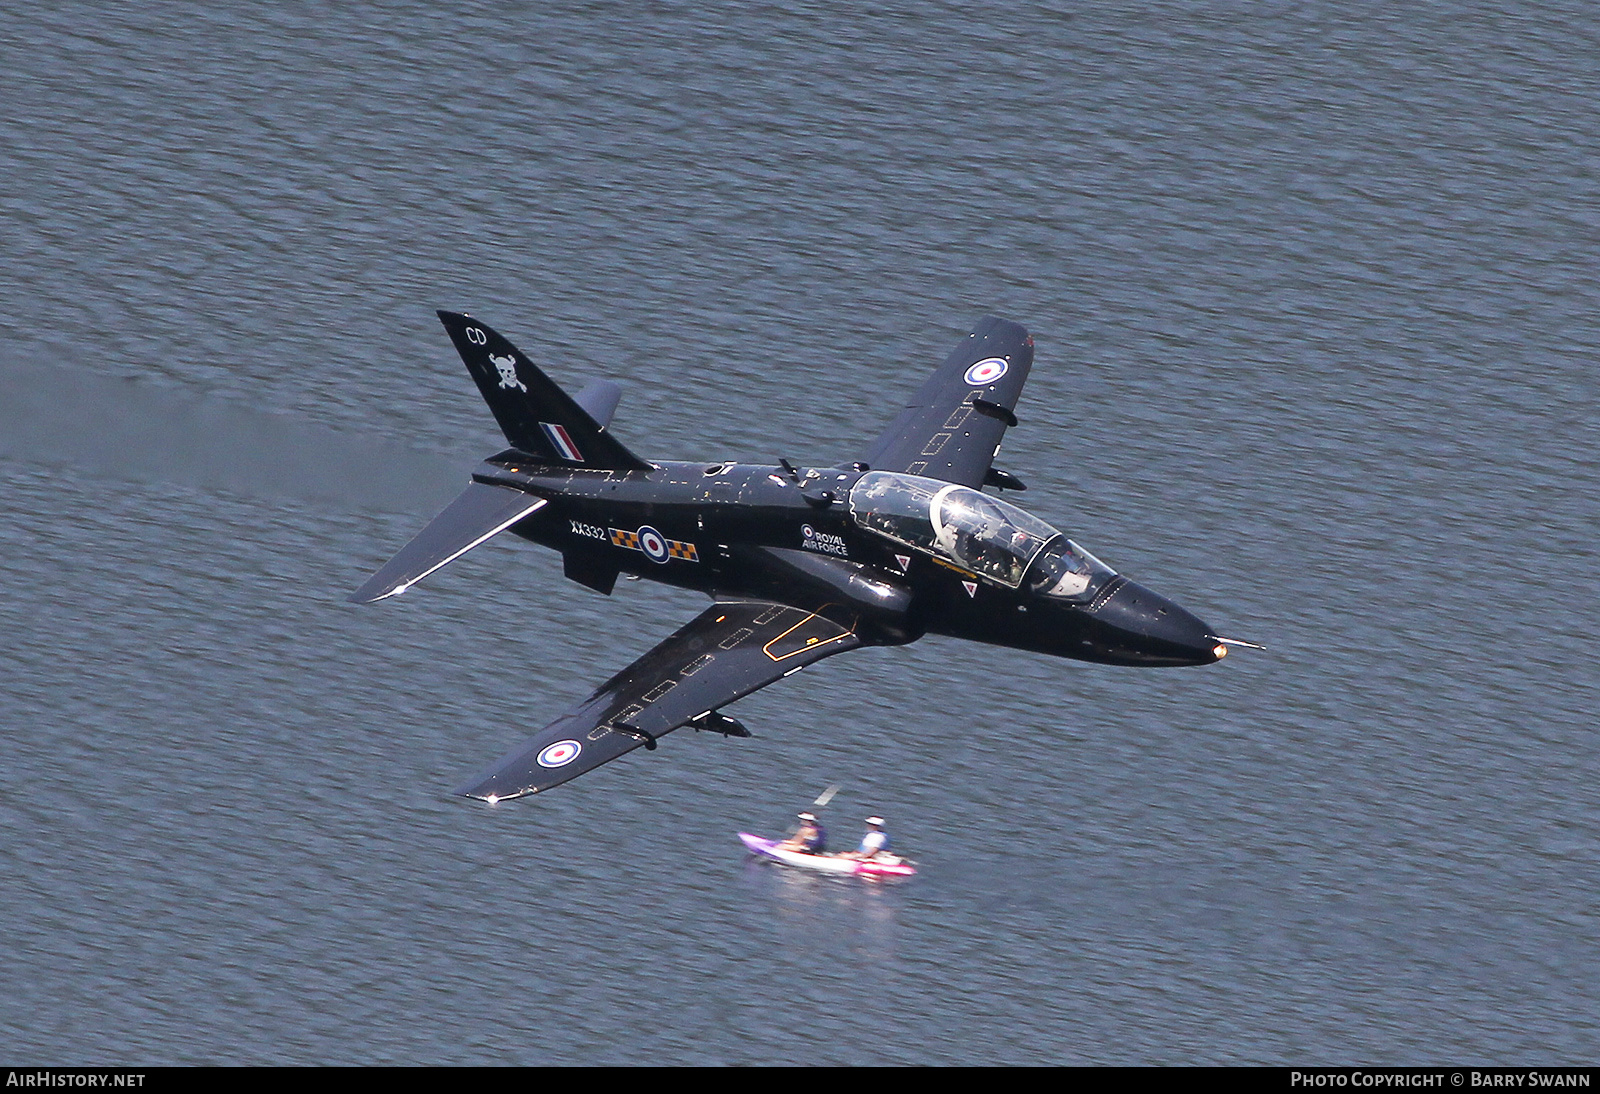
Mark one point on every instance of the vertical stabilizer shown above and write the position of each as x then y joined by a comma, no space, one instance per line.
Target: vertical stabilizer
536,416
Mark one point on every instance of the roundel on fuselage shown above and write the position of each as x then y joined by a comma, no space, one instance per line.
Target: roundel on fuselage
653,544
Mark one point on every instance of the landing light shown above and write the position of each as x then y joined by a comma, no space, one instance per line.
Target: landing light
492,798
1219,651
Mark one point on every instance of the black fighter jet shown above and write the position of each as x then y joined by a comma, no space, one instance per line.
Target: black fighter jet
801,563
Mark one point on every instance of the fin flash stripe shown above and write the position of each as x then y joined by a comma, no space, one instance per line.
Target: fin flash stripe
561,441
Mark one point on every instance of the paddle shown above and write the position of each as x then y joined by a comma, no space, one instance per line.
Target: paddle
822,799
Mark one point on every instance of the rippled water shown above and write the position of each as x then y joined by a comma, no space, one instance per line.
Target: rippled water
1314,295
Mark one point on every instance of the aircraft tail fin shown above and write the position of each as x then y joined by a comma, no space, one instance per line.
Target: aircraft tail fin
536,416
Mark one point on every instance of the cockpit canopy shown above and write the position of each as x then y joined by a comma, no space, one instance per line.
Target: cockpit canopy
975,531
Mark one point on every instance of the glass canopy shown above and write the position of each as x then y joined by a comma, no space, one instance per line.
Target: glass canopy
977,532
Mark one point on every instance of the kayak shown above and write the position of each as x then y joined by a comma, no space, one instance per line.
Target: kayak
889,866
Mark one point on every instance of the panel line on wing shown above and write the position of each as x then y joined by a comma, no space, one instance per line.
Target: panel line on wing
809,644
735,638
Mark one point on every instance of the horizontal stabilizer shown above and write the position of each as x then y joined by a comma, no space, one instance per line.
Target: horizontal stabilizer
479,513
599,399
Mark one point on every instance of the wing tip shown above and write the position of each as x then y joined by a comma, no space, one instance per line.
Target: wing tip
479,791
365,595
492,786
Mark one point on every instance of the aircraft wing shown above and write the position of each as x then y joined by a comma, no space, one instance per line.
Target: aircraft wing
952,427
728,651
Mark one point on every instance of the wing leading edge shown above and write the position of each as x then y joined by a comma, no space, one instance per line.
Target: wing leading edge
953,425
728,651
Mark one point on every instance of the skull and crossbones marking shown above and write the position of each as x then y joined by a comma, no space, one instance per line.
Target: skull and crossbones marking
508,371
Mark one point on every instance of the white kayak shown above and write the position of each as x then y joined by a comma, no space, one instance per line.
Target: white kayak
883,866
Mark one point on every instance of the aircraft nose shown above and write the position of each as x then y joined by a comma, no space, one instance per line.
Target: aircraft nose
1152,630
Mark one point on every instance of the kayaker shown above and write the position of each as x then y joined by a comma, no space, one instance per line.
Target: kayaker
875,842
811,839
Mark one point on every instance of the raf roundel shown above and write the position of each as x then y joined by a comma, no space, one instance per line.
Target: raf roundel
560,754
653,544
986,372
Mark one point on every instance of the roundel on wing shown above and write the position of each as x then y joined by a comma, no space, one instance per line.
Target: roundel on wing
986,372
653,544
560,754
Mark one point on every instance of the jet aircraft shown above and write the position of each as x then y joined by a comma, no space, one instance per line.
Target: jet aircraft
801,563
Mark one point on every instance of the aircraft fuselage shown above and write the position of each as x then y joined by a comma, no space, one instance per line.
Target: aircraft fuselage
744,530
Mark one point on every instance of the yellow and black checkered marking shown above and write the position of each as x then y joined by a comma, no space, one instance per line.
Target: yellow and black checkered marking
675,548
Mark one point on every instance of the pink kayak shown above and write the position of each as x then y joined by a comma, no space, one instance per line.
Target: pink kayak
887,866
